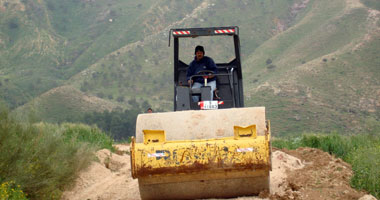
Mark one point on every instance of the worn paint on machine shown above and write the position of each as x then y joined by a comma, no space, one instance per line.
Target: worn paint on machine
244,151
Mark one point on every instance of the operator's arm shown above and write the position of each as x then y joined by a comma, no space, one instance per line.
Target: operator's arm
212,67
190,72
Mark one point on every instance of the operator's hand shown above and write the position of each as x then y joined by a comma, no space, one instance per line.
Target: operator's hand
190,81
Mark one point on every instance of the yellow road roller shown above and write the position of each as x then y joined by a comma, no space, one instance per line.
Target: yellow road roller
210,148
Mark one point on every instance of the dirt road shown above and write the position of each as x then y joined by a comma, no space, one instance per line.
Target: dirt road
304,173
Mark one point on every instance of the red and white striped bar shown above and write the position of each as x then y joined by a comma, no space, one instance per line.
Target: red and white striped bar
181,32
225,31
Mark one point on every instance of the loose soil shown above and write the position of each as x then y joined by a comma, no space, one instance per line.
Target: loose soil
304,173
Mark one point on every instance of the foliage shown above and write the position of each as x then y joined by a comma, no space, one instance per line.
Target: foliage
80,133
374,4
12,191
361,151
45,158
119,124
365,164
269,61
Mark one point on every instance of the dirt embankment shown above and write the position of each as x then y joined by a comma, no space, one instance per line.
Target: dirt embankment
304,173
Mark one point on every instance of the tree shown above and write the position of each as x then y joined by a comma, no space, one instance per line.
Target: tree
120,99
100,94
269,61
134,103
145,105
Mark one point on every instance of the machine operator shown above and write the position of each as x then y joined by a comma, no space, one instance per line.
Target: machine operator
201,63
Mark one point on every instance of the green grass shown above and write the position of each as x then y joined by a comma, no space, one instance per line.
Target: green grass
44,158
365,164
361,151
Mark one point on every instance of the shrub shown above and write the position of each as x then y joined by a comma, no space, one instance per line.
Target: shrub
13,24
89,135
100,94
45,158
365,164
333,144
10,190
120,99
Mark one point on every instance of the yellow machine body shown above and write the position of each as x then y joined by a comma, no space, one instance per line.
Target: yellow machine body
188,169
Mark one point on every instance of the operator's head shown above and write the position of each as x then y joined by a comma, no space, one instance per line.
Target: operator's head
150,110
199,52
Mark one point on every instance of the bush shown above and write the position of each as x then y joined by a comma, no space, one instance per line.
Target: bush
13,24
365,164
333,144
120,99
121,124
100,94
10,190
45,158
90,135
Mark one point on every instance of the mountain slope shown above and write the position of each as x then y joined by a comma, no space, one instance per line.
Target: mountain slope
144,68
63,104
313,64
324,80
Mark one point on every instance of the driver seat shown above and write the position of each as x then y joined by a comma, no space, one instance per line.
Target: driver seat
203,92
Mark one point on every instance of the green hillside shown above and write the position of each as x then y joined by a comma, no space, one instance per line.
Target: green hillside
324,78
144,68
313,64
63,104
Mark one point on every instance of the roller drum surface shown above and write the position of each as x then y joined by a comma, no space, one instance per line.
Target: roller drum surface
226,188
201,124
186,129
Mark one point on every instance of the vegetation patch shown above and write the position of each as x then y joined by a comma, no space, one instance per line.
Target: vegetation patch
119,124
44,159
374,4
10,190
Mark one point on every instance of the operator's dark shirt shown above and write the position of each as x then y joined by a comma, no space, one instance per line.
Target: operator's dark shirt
206,63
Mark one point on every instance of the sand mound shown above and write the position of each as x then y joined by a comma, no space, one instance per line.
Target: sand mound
110,178
282,163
